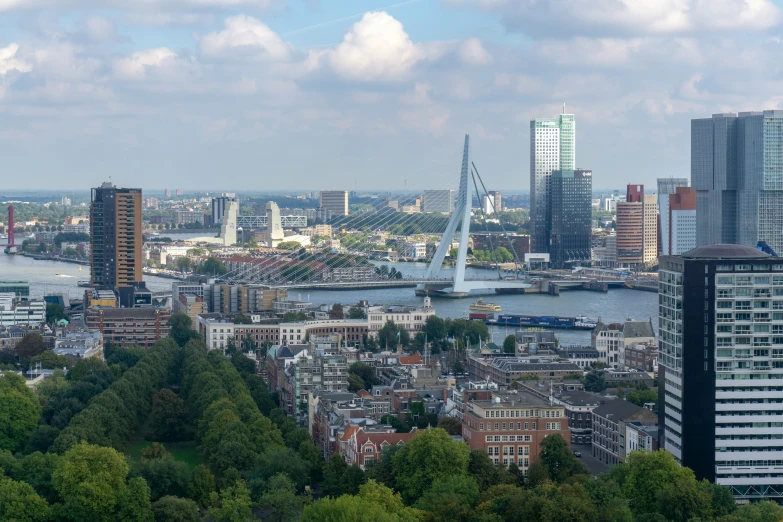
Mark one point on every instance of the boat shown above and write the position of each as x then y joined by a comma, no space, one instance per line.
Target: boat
80,269
481,306
544,321
83,284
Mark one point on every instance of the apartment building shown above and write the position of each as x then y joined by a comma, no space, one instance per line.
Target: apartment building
129,326
610,340
408,317
14,311
609,425
505,370
510,426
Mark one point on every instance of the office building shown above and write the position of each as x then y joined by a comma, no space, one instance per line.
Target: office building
335,201
617,421
115,227
14,311
666,186
637,228
488,204
188,217
129,326
20,289
569,217
737,172
168,193
220,205
437,201
497,198
679,236
552,147
721,366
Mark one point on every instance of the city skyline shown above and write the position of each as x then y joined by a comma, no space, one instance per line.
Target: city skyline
194,91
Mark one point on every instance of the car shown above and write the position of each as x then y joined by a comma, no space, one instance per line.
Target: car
577,454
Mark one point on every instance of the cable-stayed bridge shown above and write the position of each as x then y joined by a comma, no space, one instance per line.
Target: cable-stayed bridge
427,221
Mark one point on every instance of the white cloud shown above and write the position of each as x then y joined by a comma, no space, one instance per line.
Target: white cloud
247,36
420,94
566,17
9,61
140,64
472,52
8,5
375,48
99,28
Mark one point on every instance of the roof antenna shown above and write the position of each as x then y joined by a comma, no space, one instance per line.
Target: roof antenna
563,107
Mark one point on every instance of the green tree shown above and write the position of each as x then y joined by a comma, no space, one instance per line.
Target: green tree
336,312
451,499
645,475
429,456
54,312
183,264
168,417
333,472
175,509
355,312
487,473
234,504
31,345
594,382
355,383
202,485
452,425
390,335
559,460
181,329
642,397
134,502
374,503
365,372
20,502
212,266
19,412
51,360
289,245
165,476
509,344
282,499
686,499
764,511
91,481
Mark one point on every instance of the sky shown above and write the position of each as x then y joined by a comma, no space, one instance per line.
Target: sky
357,94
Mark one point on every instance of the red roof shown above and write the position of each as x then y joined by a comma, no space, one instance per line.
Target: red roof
411,359
379,438
349,431
364,393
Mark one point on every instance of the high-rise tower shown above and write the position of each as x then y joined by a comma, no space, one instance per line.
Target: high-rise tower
115,227
552,147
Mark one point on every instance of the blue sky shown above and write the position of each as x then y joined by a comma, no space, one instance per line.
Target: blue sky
312,94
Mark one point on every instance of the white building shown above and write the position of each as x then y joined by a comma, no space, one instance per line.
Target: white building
610,340
28,313
488,204
79,228
412,319
683,231
413,250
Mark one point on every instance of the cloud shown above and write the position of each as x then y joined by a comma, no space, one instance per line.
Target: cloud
8,5
375,48
245,36
472,52
141,64
563,18
9,61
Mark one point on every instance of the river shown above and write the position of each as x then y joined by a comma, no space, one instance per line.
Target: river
49,277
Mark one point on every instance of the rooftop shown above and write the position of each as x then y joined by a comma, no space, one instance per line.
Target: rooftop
511,399
619,410
722,251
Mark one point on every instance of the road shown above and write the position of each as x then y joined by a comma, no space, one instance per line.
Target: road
594,465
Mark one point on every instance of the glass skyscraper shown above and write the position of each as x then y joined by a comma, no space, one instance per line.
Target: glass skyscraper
570,215
552,147
737,172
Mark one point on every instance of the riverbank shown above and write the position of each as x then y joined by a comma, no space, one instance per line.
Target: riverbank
46,257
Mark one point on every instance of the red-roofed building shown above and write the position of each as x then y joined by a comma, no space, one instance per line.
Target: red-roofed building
364,448
408,360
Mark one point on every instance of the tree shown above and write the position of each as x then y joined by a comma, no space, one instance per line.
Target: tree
336,312
429,456
374,503
282,499
19,412
333,472
54,312
509,344
183,264
202,485
20,502
451,498
435,328
91,481
51,360
594,382
560,462
164,475
355,383
289,245
390,335
213,267
181,329
645,475
642,397
31,345
234,504
168,416
175,509
356,313
486,472
452,425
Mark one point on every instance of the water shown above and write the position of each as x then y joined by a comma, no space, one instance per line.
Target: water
614,306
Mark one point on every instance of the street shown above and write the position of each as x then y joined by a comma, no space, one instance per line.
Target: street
594,465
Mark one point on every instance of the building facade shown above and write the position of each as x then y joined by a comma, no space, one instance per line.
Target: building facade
637,228
569,217
335,201
115,227
220,206
610,433
667,186
129,326
552,147
14,311
721,366
437,201
680,234
737,172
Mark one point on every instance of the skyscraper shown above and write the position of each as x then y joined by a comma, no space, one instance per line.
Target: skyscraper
737,171
680,233
437,201
569,218
637,228
552,147
720,335
336,201
219,206
115,227
498,197
666,186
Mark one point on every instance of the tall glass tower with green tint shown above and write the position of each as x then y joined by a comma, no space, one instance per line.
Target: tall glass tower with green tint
737,171
552,147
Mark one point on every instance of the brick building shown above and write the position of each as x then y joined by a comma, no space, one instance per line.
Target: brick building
129,326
